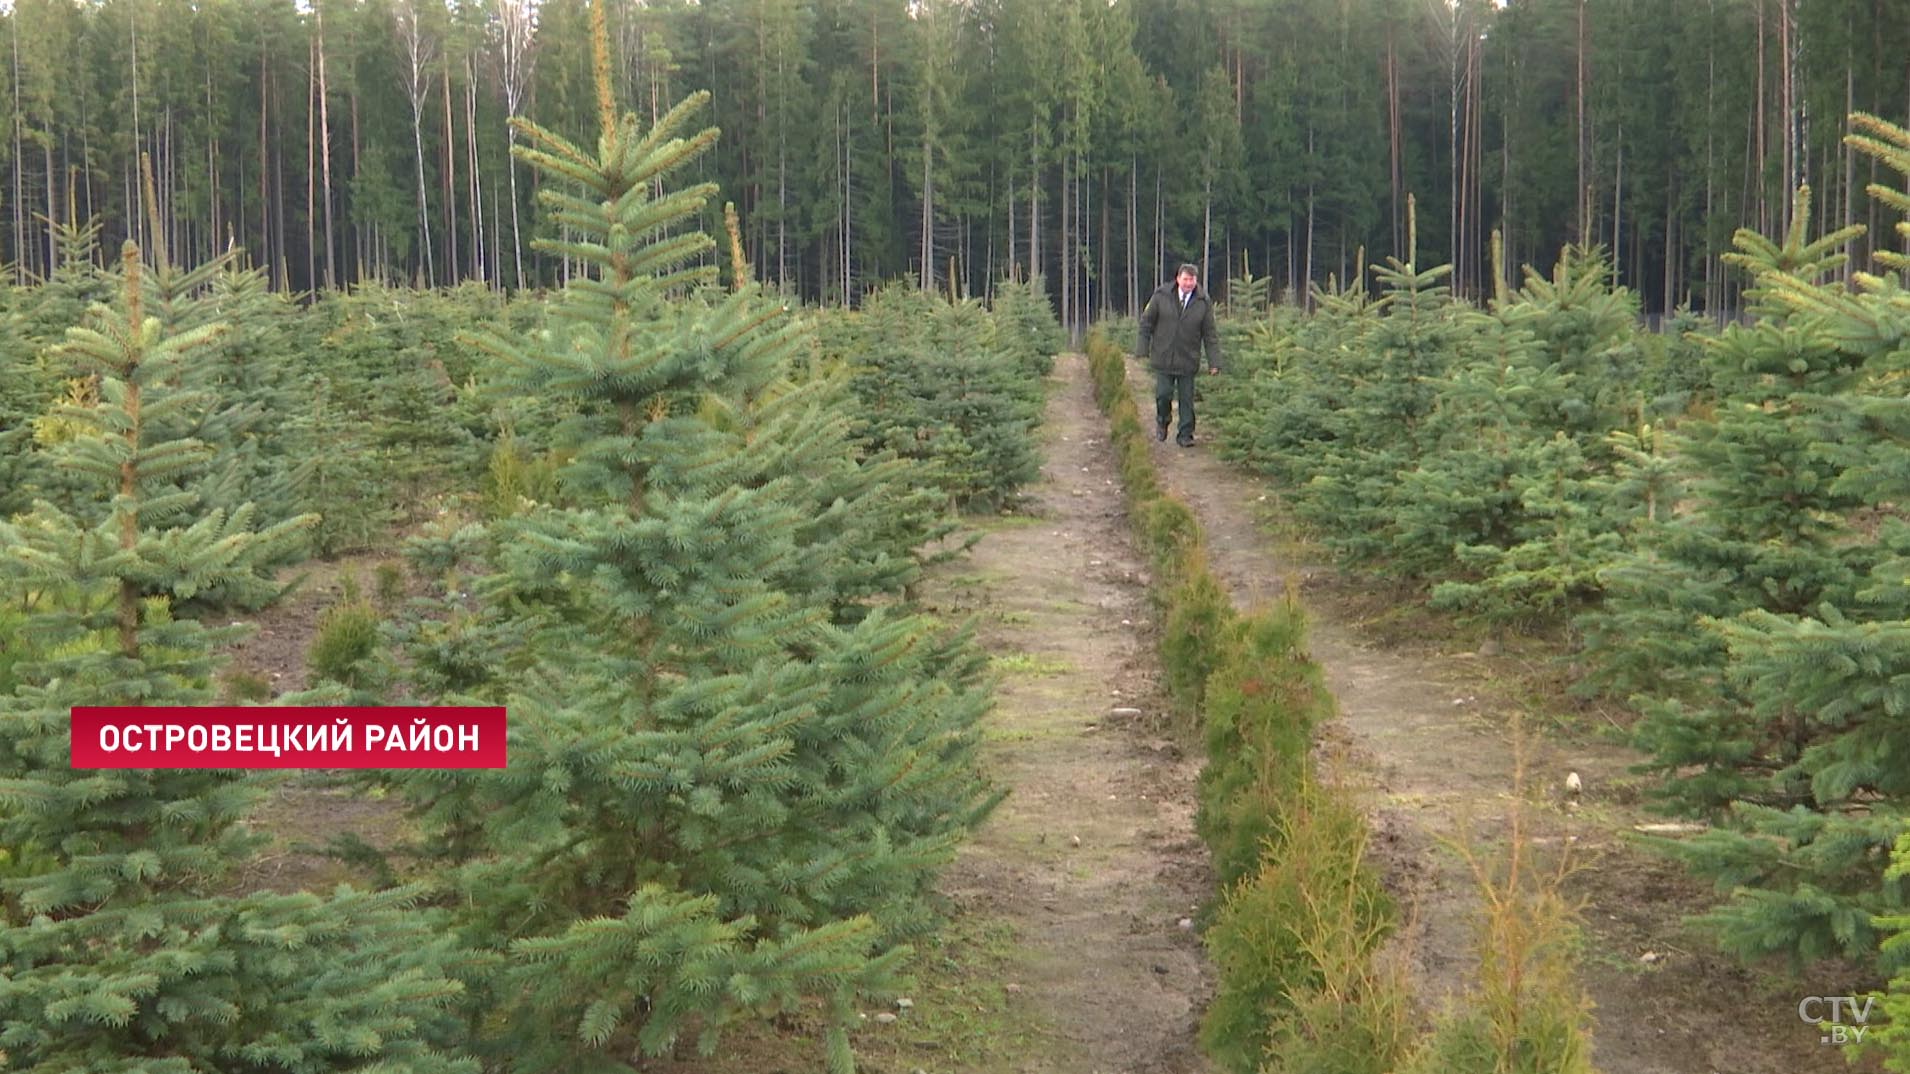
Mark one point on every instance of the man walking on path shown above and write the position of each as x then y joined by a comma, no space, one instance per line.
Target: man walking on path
1177,323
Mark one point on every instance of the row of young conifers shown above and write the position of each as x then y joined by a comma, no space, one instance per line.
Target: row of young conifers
672,525
1705,522
1307,982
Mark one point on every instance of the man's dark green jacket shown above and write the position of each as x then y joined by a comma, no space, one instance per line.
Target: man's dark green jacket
1172,338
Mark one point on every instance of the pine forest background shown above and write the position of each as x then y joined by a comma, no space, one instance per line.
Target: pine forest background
1094,144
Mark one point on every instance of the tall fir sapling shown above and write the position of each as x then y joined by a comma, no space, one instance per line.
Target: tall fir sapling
1769,613
727,794
121,948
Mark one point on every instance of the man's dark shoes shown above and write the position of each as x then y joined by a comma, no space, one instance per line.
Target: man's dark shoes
1185,441
1160,430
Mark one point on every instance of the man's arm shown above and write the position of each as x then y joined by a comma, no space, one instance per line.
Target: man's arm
1210,337
1150,315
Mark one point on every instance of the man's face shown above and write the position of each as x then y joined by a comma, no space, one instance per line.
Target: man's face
1188,280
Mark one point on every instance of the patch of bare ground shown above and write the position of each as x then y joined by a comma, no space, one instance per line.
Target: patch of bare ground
273,651
1426,726
304,812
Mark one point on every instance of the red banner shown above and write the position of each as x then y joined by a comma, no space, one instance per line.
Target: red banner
239,736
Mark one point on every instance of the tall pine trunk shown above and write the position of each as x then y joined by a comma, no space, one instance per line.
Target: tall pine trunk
1393,131
928,213
267,250
450,158
1034,203
1105,272
471,168
1065,219
311,169
1581,197
19,152
1133,236
417,55
325,154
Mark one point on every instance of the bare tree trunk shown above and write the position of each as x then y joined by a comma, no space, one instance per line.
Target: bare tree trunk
1012,262
1454,153
361,231
515,41
325,153
1034,204
424,211
1618,186
1064,219
52,205
517,234
1582,198
418,52
1393,128
450,159
19,152
1133,236
1505,200
136,226
1712,300
268,251
1672,252
1763,218
847,231
168,200
1786,88
782,179
497,236
1306,284
1207,224
928,214
1083,244
1160,230
1850,105
1295,289
212,160
471,169
1475,157
1107,240
311,170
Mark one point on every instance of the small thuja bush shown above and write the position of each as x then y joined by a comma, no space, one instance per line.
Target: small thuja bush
1312,892
1199,633
1260,710
346,642
1527,1014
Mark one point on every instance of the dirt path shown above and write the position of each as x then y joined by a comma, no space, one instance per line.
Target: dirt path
1066,951
1425,730
1093,858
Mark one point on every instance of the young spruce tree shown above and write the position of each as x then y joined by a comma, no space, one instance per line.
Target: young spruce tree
732,777
119,949
1762,624
1805,858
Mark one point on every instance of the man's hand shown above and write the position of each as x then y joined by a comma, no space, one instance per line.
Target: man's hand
1212,370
